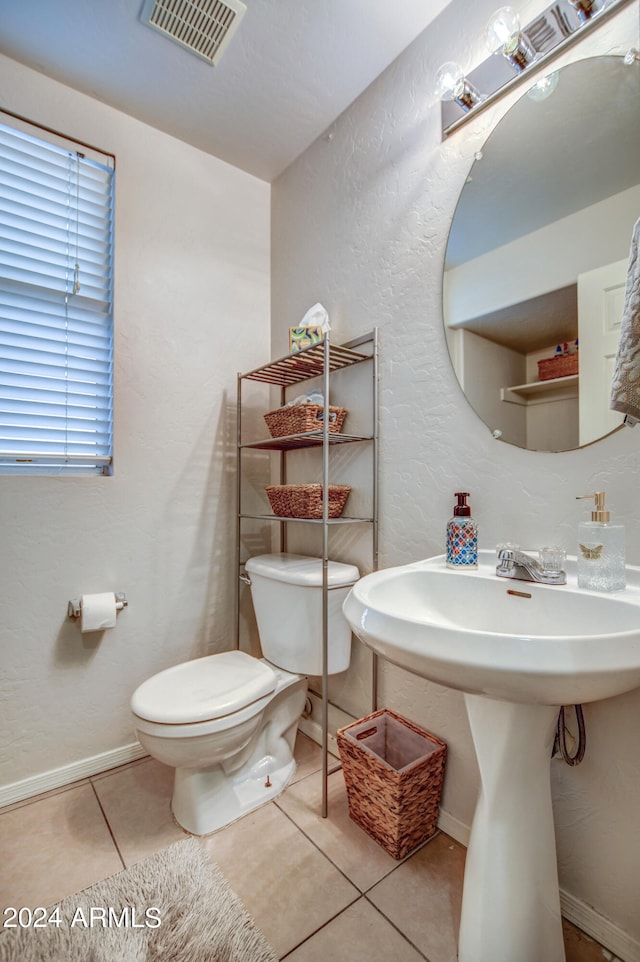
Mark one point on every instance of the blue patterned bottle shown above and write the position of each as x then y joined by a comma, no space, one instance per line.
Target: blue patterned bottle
462,536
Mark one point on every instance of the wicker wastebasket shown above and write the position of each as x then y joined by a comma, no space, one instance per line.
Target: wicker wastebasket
393,771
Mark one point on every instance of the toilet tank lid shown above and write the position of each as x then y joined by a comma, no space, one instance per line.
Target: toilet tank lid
203,689
297,569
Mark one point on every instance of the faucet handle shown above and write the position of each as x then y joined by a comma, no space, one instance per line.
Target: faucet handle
507,553
552,558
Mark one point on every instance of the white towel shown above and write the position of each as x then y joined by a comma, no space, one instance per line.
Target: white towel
625,385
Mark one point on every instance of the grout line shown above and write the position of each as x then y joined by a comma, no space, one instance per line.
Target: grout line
404,860
323,926
317,847
104,815
398,930
363,891
341,912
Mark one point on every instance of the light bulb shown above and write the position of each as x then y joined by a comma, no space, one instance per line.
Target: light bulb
451,84
502,30
503,35
545,87
586,9
449,80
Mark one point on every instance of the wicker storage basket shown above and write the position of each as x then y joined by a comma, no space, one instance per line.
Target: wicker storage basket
393,771
302,418
305,500
558,367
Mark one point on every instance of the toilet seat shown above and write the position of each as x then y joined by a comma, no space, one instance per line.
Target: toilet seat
204,689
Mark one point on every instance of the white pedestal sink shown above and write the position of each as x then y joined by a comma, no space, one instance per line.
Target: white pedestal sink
518,650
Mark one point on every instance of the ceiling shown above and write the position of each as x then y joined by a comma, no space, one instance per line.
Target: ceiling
292,67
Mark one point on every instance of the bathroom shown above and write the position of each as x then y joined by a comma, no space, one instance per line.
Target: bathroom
360,222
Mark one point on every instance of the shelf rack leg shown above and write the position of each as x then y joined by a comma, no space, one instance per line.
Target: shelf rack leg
236,587
325,578
375,493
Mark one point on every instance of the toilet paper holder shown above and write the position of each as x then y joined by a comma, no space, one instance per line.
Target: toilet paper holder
74,607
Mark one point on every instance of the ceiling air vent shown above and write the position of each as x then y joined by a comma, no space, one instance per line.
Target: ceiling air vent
204,27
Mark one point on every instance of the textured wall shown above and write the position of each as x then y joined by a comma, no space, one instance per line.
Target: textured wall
191,309
360,222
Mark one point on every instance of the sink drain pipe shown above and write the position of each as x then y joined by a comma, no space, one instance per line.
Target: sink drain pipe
561,737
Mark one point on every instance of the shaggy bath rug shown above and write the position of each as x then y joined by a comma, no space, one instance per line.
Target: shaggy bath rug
173,907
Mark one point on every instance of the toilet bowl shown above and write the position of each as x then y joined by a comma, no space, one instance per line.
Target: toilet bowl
227,722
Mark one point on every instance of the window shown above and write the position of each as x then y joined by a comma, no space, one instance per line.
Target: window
56,320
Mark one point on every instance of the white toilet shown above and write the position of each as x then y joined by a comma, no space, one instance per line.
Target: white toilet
227,723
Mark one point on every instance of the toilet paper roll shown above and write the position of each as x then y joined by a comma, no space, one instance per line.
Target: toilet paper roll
98,612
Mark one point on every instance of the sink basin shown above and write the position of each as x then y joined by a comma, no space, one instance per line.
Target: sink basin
514,640
518,650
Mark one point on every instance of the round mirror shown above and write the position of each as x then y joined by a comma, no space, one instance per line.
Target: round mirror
536,262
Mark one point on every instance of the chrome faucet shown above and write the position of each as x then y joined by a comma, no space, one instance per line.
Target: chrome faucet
514,563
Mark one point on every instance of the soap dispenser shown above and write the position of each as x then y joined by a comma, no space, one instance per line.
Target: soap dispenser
462,535
601,560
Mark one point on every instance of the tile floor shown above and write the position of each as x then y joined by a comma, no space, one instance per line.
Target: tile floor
320,889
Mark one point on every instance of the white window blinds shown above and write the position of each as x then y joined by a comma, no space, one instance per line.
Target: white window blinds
56,322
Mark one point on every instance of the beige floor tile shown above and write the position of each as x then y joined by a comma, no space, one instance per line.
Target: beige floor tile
359,934
362,860
54,848
286,884
422,897
137,804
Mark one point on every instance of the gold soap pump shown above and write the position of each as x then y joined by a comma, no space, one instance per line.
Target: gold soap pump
601,552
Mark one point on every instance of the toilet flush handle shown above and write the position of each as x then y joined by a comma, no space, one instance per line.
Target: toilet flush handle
245,578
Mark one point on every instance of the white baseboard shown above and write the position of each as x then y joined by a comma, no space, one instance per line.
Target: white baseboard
59,777
608,934
310,728
454,827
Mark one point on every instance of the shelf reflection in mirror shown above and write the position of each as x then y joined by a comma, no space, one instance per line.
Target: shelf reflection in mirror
537,257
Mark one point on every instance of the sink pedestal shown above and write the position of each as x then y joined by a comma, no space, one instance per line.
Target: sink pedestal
511,900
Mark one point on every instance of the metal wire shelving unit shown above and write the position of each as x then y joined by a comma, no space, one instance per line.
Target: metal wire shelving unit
321,360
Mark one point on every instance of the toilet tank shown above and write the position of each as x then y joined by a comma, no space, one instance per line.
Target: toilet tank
286,590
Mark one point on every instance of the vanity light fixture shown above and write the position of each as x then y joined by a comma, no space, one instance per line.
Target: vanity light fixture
586,9
452,84
503,35
522,50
